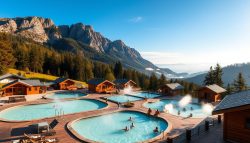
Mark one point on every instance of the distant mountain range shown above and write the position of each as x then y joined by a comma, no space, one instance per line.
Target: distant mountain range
80,37
229,74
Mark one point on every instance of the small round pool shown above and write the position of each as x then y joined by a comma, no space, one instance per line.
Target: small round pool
147,95
194,109
38,111
124,98
108,128
64,95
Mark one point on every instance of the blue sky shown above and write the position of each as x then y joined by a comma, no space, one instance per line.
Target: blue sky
185,35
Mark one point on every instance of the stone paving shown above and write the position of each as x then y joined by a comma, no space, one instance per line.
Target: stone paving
14,130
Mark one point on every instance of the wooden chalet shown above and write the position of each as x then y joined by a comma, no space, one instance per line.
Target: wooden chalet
172,89
210,93
23,87
64,84
123,83
7,78
236,110
101,86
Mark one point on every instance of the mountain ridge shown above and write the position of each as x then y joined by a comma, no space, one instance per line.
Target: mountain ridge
77,37
229,74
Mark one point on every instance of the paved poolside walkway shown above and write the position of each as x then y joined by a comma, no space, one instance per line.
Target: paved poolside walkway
215,135
10,131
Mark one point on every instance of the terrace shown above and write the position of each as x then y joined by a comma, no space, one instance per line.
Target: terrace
12,130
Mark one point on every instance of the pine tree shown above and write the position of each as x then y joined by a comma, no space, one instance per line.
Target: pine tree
145,84
109,75
229,89
35,60
153,82
217,74
22,59
118,70
88,70
135,78
162,80
209,79
240,83
7,59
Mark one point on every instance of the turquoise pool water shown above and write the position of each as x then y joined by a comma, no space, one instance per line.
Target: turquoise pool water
63,95
124,98
147,95
31,112
108,128
196,110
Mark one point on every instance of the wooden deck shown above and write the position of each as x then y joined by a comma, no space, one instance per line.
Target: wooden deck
15,130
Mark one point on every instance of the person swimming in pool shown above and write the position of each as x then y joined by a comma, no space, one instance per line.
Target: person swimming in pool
126,129
156,130
132,126
191,115
130,118
179,112
184,109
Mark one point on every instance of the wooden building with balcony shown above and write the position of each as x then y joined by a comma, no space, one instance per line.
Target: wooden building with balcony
98,85
172,89
124,83
236,111
23,87
210,93
64,84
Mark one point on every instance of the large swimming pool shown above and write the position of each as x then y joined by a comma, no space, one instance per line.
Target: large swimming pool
108,128
63,95
194,109
38,111
146,95
123,98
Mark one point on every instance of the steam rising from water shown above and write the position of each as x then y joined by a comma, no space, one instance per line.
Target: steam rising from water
127,90
185,101
169,108
207,108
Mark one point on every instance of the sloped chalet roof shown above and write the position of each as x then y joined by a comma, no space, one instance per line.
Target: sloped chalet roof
61,79
235,101
97,81
216,88
32,82
174,86
123,81
8,75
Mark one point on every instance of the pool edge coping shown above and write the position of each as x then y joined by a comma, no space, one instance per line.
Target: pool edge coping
174,114
22,121
82,138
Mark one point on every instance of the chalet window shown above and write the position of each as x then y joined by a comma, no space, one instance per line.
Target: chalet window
29,88
35,88
248,123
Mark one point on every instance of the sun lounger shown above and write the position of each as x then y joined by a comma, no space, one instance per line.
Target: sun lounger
50,132
33,137
54,140
15,141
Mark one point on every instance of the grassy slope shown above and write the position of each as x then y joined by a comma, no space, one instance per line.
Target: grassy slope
43,77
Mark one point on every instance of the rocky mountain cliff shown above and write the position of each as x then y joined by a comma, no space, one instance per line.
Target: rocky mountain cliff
76,37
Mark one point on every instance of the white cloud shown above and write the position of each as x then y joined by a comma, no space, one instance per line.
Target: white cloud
136,19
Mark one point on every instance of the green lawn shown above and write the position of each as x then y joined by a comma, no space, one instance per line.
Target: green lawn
43,77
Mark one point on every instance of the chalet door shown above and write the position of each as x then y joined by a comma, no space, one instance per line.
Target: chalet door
19,91
205,96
